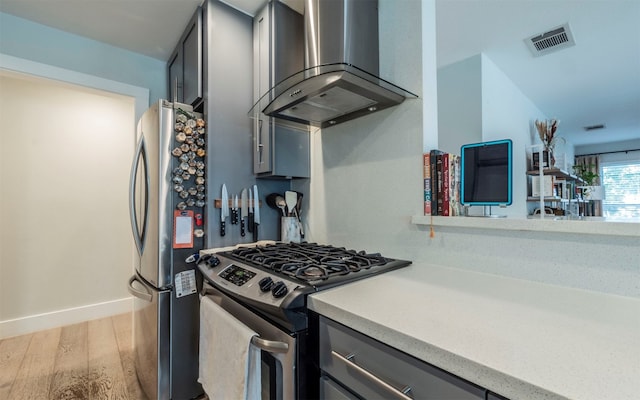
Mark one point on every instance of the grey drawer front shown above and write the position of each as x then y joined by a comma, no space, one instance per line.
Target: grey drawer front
376,371
329,390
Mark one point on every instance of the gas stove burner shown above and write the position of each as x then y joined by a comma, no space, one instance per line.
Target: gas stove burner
288,267
340,268
312,273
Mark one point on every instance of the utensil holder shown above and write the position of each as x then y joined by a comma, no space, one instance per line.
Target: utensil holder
289,230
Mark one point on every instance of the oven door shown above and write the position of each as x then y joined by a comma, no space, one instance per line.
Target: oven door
278,348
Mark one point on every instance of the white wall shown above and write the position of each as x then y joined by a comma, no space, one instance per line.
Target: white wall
39,43
606,147
460,104
65,155
508,113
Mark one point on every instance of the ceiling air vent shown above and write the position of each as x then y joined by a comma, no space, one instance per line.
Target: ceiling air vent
553,40
594,127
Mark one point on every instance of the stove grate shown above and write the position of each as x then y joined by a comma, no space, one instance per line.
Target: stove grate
308,261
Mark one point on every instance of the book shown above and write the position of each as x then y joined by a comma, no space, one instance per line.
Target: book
545,187
454,185
441,173
439,195
434,181
446,178
458,186
426,173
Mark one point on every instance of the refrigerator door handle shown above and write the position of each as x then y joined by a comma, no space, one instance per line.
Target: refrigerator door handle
139,236
146,296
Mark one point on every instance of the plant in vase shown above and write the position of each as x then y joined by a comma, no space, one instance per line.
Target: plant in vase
547,133
586,174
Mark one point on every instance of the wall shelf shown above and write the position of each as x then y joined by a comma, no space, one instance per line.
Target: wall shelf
558,173
583,226
556,194
546,198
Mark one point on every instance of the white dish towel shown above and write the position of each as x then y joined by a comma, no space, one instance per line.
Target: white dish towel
229,365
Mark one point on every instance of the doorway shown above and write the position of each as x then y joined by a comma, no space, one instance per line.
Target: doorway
65,250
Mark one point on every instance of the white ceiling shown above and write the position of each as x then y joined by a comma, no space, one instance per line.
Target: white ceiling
596,81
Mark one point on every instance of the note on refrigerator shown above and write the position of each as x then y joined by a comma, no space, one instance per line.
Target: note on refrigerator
185,283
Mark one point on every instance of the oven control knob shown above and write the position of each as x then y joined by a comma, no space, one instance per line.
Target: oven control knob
265,284
209,260
279,289
213,261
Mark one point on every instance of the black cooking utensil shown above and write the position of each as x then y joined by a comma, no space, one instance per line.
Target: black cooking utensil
271,201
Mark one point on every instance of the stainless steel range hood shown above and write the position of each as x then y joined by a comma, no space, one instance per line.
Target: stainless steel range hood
340,81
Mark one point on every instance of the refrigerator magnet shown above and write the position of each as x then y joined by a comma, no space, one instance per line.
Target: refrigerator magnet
183,229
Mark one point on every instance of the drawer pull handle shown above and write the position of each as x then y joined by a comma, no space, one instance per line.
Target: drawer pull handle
349,361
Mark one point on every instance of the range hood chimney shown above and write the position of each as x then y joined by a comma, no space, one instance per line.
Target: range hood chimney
340,81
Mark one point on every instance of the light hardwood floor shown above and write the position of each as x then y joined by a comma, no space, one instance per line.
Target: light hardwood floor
89,360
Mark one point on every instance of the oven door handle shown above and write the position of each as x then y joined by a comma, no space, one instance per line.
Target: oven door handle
270,346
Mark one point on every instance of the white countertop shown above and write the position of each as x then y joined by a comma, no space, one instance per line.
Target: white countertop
521,339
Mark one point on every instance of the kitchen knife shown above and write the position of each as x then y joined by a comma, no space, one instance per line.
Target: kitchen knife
244,210
234,211
250,225
298,212
256,212
224,209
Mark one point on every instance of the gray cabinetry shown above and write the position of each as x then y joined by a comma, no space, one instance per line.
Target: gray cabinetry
373,370
330,390
494,396
280,148
185,64
176,80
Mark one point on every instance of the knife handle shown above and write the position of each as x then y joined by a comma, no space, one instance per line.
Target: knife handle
222,228
255,232
250,226
234,217
242,233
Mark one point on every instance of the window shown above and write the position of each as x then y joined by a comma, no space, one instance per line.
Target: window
621,180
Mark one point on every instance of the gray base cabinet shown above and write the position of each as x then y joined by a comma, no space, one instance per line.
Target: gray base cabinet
330,390
356,366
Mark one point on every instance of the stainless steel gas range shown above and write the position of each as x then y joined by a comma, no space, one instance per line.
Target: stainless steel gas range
265,285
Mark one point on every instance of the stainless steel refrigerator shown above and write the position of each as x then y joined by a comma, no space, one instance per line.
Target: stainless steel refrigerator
167,199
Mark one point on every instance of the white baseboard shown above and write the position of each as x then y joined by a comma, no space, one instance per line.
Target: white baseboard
33,323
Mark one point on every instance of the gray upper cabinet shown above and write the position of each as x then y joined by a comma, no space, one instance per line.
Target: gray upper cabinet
176,77
280,148
261,84
185,64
